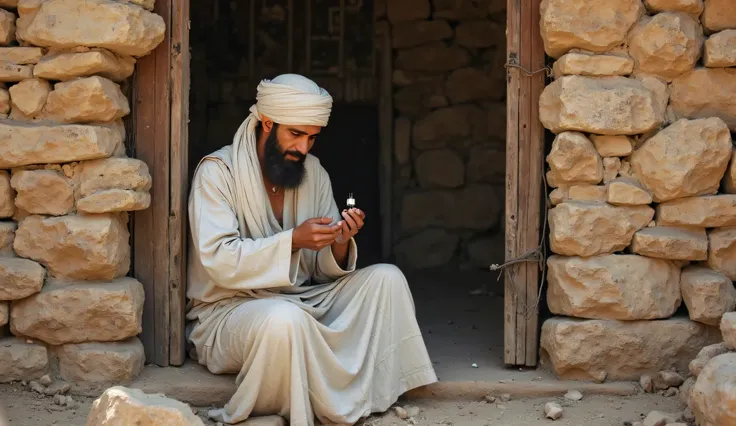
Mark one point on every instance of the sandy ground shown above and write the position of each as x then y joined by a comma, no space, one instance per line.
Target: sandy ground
23,407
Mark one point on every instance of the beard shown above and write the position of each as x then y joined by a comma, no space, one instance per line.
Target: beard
280,170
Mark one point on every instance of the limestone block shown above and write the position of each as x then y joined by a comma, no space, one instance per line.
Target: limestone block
625,191
711,211
146,4
592,228
7,235
592,65
440,168
123,406
705,92
479,34
114,200
7,27
719,15
487,164
4,101
666,45
79,312
708,294
713,398
720,50
69,65
472,84
624,287
475,207
411,10
4,313
101,363
29,96
87,99
463,9
722,250
578,193
113,173
433,57
573,159
609,106
728,329
78,247
427,249
621,350
24,143
21,55
446,126
704,356
46,192
120,27
672,243
420,98
587,24
611,166
7,195
13,73
692,7
20,278
415,33
9,4
20,360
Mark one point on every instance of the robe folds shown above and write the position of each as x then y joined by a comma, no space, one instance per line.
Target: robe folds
307,338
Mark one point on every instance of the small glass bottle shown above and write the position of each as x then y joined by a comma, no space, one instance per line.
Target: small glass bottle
351,202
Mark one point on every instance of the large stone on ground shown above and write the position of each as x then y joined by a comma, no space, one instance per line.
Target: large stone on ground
713,398
621,350
7,27
122,28
7,195
21,55
719,15
672,243
624,287
687,158
610,106
578,193
69,65
592,65
101,363
87,99
46,192
705,92
574,160
728,329
692,7
440,169
25,144
666,45
12,73
427,249
592,228
20,278
713,211
722,250
123,406
474,207
705,355
433,57
587,24
707,294
79,247
20,360
7,236
29,96
415,33
626,191
79,312
720,50
410,10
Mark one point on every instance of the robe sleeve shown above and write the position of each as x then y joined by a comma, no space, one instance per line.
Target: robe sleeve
327,268
233,262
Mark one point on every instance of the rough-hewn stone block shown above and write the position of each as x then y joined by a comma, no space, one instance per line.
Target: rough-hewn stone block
578,193
720,50
7,195
114,200
43,192
10,4
7,236
20,278
80,312
4,101
704,356
672,243
7,27
86,100
429,248
610,106
21,361
719,15
692,7
705,92
440,169
611,166
415,33
624,287
21,55
473,207
24,143
101,363
479,34
722,250
487,164
29,96
622,350
65,66
91,247
713,397
122,28
113,173
728,329
4,313
687,158
712,211
708,294
447,126
410,10
592,65
11,72
119,405
434,57
574,160
472,84
624,191
588,24
402,140
594,228
418,99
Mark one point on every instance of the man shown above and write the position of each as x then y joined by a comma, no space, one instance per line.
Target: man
274,292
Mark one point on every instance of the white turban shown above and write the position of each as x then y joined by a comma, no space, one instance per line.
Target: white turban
293,99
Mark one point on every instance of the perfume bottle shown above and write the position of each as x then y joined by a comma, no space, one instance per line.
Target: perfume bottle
351,202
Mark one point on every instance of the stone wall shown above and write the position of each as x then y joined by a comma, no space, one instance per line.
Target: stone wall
66,189
643,170
450,128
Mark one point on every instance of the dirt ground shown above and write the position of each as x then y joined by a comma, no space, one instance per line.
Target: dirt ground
23,407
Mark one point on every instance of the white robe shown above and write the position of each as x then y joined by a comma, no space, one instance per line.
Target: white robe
306,337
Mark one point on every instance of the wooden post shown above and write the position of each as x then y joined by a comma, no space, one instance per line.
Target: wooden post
524,159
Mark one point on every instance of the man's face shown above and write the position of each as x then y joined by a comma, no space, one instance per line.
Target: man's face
285,151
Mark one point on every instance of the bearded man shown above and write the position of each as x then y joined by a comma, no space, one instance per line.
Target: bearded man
274,292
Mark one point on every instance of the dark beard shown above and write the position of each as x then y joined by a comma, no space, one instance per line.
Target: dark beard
277,168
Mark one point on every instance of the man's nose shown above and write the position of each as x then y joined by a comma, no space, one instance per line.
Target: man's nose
303,145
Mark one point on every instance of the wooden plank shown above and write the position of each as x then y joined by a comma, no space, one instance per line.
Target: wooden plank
386,134
179,178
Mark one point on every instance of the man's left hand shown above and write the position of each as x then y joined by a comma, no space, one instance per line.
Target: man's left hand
353,220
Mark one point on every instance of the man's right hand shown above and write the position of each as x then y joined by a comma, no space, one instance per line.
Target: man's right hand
315,234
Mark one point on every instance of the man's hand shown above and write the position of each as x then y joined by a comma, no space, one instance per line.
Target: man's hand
353,220
315,234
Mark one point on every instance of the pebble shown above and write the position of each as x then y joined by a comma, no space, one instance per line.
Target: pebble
45,380
667,379
412,410
573,395
501,407
646,383
401,413
552,410
490,399
671,392
59,400
506,397
57,387
70,402
658,418
474,365
36,387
